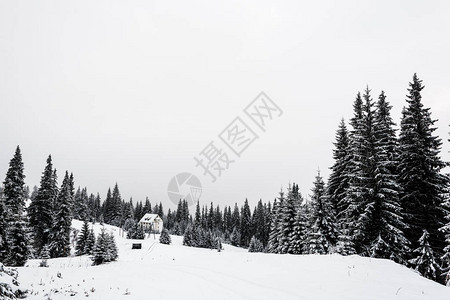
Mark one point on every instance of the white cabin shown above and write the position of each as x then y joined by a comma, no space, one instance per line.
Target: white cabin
151,222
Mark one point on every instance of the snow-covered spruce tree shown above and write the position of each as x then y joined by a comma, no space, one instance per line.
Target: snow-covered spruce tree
40,210
349,207
18,244
385,221
188,236
129,224
90,243
235,237
62,221
259,221
298,235
255,245
219,244
9,286
274,234
136,232
105,248
366,176
16,238
360,198
164,238
44,255
108,208
445,257
80,248
322,234
338,180
116,207
3,223
425,261
423,186
112,247
246,225
286,223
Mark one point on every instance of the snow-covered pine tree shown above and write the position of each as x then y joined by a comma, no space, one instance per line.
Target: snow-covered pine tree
235,237
423,186
322,234
17,244
90,243
286,223
9,286
80,248
360,199
62,221
112,247
349,206
13,192
139,232
3,224
105,248
425,261
108,208
44,255
188,236
259,221
338,180
198,216
386,225
445,257
274,235
255,245
116,207
164,238
246,225
14,187
298,235
40,210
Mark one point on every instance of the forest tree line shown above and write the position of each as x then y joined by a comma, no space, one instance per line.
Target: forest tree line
386,197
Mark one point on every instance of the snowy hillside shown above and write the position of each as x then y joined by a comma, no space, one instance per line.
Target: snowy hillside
177,272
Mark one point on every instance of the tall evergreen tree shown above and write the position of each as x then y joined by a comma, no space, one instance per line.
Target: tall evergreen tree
338,180
419,171
322,235
14,186
82,241
40,210
386,225
246,225
3,231
60,231
116,207
286,223
274,235
349,206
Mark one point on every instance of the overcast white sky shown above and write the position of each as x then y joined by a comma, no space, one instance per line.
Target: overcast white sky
130,91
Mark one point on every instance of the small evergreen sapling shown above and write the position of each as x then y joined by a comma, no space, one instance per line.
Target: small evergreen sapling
82,240
164,238
105,248
425,262
90,243
45,255
255,245
235,237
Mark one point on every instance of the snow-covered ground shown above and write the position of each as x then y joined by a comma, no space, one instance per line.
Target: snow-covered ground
174,271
